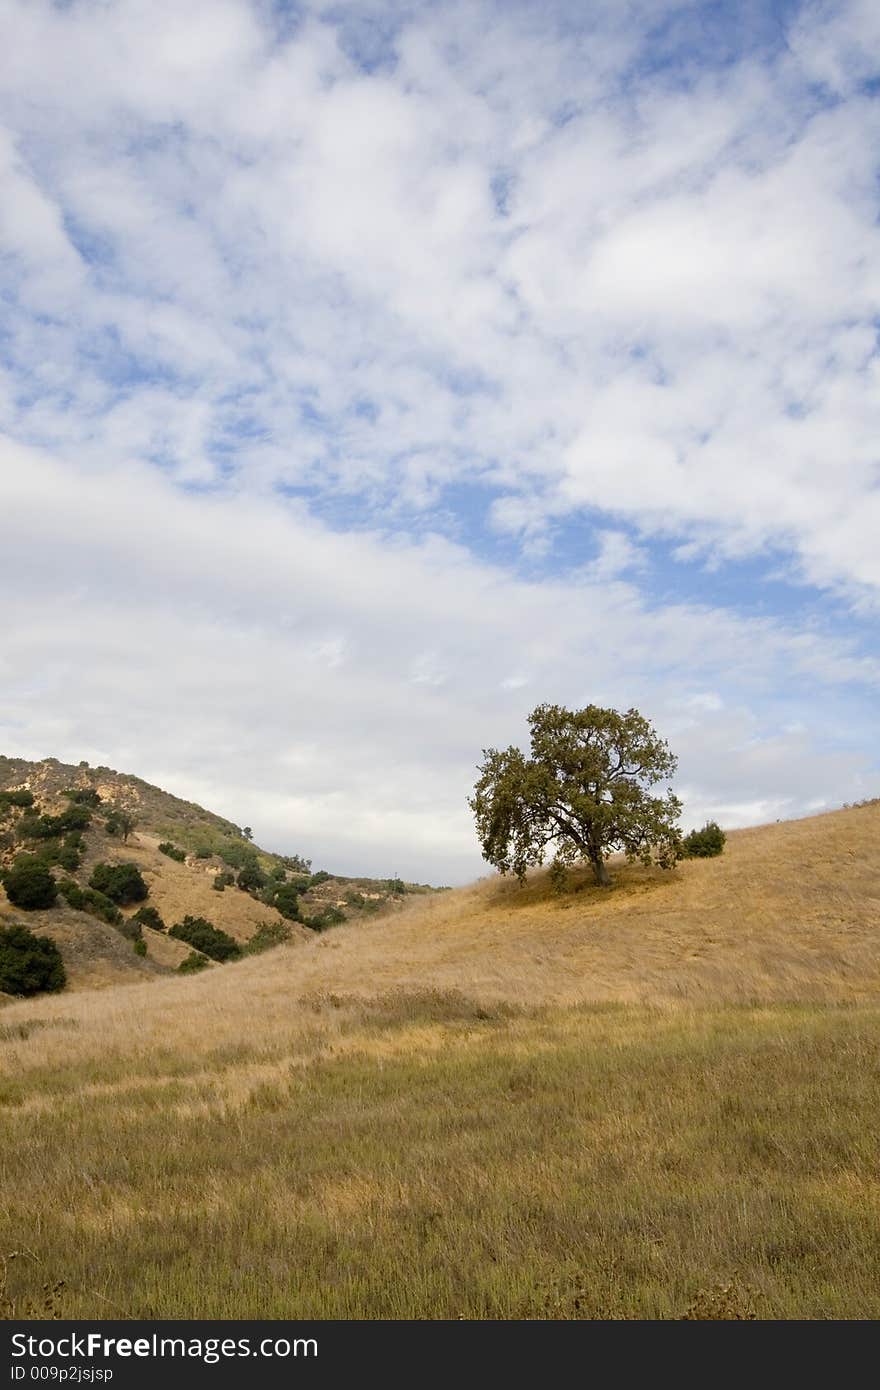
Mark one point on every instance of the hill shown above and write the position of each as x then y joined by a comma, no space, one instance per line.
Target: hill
207,852
657,1101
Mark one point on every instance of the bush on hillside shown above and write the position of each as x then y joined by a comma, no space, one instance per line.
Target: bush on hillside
705,843
172,851
199,932
29,884
330,917
395,886
120,822
149,917
140,947
89,900
193,962
286,901
121,883
29,964
203,852
17,798
267,935
320,877
251,878
236,854
83,796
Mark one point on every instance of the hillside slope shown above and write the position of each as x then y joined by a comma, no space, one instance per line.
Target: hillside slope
207,848
462,1112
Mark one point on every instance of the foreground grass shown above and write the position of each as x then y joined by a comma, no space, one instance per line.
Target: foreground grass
440,1160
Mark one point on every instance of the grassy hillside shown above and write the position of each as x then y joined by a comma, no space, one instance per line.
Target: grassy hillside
95,953
658,1102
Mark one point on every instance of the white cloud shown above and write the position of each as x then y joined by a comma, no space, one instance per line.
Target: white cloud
244,656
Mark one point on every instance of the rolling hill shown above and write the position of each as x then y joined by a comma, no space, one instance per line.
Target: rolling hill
208,846
655,1101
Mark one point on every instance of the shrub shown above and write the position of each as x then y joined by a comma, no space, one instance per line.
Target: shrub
33,827
330,917
149,917
267,935
122,883
395,886
355,899
286,901
219,884
320,877
705,843
29,884
140,947
203,852
131,928
17,798
251,878
236,854
172,851
91,901
120,822
199,932
83,796
278,873
194,961
29,964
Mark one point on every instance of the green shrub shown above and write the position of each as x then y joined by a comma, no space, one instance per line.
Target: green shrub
278,873
236,854
355,899
149,917
251,878
286,901
33,827
29,884
705,843
89,900
395,886
122,883
267,935
194,961
29,964
330,917
140,946
199,932
172,851
17,798
83,796
203,852
219,884
320,877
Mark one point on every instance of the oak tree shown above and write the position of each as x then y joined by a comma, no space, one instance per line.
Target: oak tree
586,791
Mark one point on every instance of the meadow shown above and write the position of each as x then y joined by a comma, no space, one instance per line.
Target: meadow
344,1129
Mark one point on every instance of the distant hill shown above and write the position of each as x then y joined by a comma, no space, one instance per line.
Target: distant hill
195,873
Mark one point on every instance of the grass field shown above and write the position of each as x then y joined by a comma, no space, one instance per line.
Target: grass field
346,1129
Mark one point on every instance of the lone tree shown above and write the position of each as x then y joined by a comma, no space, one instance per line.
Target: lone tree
585,790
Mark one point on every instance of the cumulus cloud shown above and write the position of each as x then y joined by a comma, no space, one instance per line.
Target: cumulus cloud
324,329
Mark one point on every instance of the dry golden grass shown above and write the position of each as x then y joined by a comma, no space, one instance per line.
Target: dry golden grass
497,1103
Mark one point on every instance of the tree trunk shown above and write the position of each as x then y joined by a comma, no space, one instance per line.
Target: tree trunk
602,876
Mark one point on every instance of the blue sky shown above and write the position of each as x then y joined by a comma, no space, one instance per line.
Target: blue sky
370,373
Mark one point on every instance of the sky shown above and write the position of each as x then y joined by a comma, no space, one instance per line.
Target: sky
371,373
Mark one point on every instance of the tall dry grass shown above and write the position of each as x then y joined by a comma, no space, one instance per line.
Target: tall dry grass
655,1102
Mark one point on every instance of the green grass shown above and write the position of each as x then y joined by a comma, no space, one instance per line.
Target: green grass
448,1161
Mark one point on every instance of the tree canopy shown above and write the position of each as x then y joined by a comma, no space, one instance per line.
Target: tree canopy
585,791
